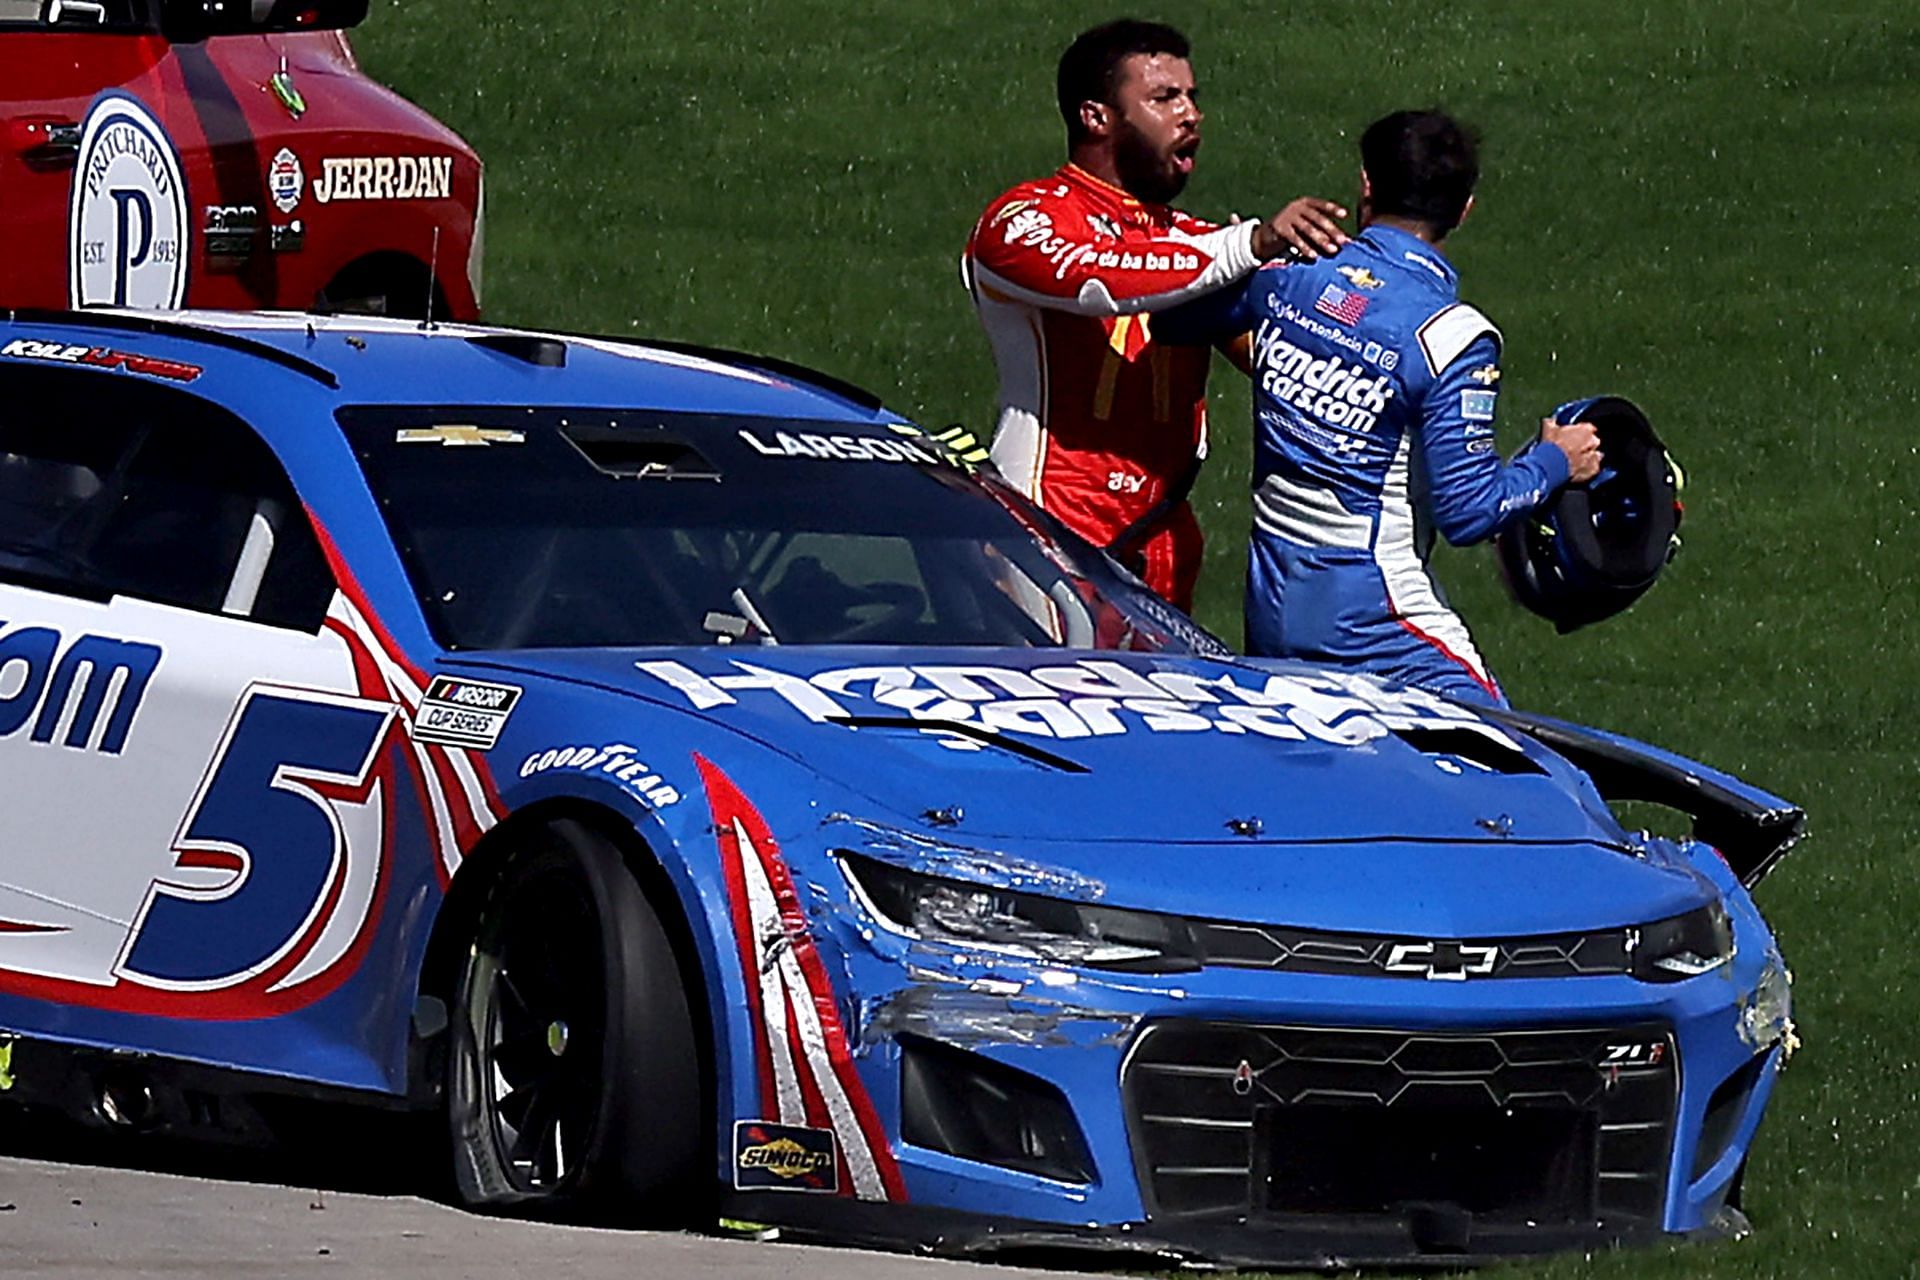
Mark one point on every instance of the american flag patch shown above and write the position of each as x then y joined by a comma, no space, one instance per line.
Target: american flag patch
1343,305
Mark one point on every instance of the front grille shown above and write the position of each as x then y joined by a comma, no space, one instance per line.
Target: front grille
1560,955
1297,1124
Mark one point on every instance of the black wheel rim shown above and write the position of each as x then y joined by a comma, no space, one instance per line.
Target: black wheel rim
542,1043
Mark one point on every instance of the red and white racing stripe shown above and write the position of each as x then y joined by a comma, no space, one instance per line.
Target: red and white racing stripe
805,1067
455,785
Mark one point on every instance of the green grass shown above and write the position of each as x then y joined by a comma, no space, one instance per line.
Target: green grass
1706,205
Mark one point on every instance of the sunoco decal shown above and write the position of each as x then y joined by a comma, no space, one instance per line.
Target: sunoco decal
784,1157
457,712
127,228
802,1057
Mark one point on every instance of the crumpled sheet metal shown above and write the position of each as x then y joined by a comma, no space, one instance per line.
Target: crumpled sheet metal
973,1014
988,867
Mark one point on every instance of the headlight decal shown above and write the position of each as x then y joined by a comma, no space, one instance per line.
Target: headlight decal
806,1072
1684,946
935,899
1017,925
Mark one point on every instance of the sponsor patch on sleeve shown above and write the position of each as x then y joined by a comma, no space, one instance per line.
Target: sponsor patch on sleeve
457,712
1477,406
1448,333
783,1157
1009,209
1032,225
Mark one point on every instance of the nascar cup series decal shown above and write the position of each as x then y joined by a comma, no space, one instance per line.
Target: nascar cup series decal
457,712
127,228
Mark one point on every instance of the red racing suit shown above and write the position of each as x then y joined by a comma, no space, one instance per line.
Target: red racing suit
1098,422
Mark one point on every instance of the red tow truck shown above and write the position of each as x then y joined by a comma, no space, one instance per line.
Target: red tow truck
223,153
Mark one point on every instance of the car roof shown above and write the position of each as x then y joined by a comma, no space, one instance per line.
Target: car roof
374,360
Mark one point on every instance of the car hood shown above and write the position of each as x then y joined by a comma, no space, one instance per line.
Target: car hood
1115,746
1258,790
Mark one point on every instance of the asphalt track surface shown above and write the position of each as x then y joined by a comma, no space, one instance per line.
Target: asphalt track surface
78,1221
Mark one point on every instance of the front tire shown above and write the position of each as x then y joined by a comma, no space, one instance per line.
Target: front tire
574,1083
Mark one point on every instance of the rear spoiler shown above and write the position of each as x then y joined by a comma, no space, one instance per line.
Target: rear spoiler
1751,828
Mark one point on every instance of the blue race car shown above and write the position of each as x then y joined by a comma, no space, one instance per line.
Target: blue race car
718,798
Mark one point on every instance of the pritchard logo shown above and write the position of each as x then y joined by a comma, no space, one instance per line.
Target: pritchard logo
1443,961
128,237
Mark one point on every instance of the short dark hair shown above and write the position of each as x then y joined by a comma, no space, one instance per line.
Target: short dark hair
1090,68
1421,165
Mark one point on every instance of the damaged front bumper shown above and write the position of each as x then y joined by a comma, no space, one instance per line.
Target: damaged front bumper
1186,1111
1334,1246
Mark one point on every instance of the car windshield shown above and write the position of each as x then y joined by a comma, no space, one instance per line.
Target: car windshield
537,527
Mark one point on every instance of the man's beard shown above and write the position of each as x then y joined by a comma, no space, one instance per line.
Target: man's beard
1145,174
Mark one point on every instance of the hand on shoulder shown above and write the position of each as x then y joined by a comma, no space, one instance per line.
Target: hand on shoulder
1305,229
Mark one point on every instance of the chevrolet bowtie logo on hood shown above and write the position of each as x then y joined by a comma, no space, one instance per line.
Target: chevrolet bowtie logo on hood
455,435
1442,961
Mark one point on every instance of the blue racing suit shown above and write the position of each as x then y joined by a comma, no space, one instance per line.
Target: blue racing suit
1374,392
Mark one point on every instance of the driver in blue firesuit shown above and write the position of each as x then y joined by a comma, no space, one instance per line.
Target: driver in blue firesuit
1374,394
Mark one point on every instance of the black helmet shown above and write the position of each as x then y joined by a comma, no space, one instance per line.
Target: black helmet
1594,548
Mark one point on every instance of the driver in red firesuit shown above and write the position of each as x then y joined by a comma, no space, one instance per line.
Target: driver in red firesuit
1099,423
